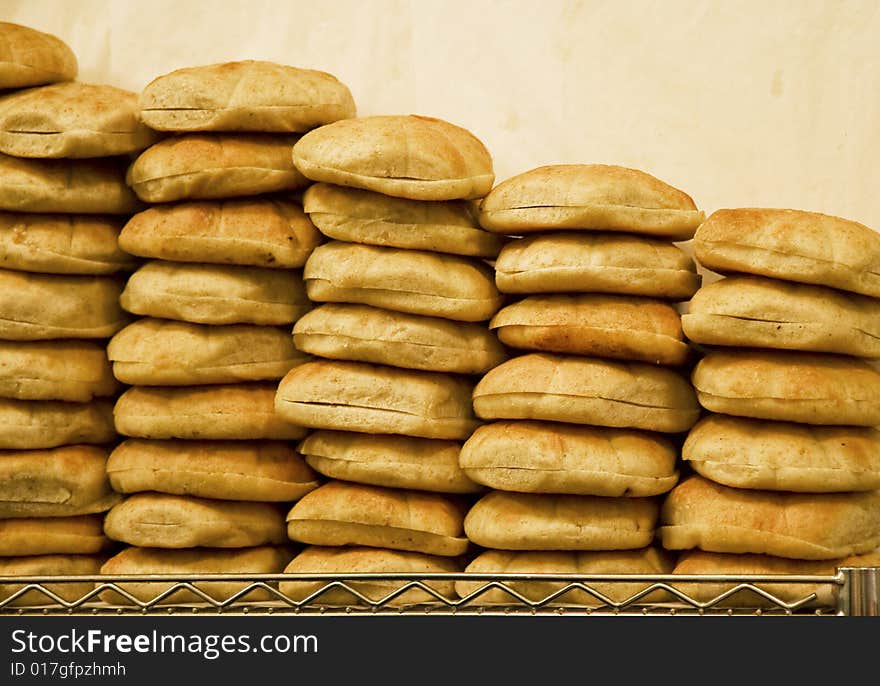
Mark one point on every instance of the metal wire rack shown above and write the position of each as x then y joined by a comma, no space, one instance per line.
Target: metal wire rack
852,591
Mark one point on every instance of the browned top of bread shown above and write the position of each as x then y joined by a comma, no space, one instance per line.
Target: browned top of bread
29,57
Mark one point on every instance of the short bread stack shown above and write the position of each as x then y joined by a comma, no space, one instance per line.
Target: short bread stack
581,443
63,201
787,464
403,294
207,467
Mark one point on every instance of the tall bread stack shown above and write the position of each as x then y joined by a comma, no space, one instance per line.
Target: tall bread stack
63,201
399,334
207,467
787,462
581,444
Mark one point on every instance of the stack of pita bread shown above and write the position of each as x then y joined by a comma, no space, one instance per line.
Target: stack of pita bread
63,201
786,465
581,445
207,466
403,294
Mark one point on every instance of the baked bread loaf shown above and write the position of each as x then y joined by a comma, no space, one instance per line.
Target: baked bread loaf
62,244
412,281
62,482
616,326
246,95
648,560
584,390
160,352
239,411
258,232
384,460
596,262
792,245
544,457
699,513
90,186
589,196
342,513
80,535
784,456
345,560
329,394
371,334
133,561
72,120
406,156
218,165
38,424
537,521
29,57
161,520
71,370
49,565
358,216
262,471
789,386
753,311
216,294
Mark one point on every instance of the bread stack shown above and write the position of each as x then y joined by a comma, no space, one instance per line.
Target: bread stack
400,332
581,443
787,463
207,466
63,201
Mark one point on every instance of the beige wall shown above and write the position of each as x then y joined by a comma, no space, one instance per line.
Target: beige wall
738,102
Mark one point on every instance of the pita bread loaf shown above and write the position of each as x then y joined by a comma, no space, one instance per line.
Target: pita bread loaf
216,294
356,396
343,513
62,244
47,306
211,166
616,326
248,95
63,482
358,216
652,561
346,560
699,562
239,411
789,386
783,456
699,513
406,156
584,390
49,565
72,120
80,535
537,521
589,196
794,245
161,352
161,520
371,334
392,461
31,58
596,262
75,371
134,561
259,232
92,186
38,424
543,457
264,471
751,311
411,281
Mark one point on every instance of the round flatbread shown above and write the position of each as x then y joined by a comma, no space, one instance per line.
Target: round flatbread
38,424
29,57
49,565
78,535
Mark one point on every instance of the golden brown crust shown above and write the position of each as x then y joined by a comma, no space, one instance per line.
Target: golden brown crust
49,565
39,424
72,535
29,57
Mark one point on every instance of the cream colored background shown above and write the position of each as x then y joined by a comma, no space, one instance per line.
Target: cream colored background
739,103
